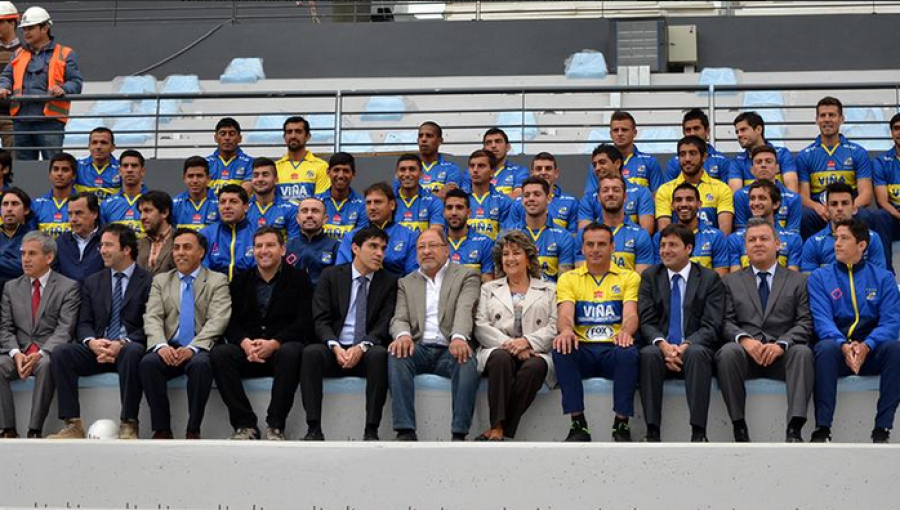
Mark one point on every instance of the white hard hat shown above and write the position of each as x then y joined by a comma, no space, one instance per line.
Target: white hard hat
8,11
104,429
35,16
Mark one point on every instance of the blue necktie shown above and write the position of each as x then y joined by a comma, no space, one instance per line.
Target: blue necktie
114,331
186,317
359,327
763,289
675,332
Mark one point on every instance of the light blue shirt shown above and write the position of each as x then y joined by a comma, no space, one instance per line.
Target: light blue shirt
82,243
682,287
183,287
346,336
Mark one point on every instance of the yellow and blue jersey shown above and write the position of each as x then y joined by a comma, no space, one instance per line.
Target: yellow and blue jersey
305,179
819,166
439,173
638,168
189,214
474,251
715,197
599,302
633,246
237,170
788,214
489,213
740,165
280,214
563,210
717,165
555,247
344,216
51,215
102,182
886,172
818,251
122,209
789,253
509,177
419,212
638,202
710,248
400,254
229,247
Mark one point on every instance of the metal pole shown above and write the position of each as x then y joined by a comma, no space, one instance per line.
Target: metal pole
897,97
233,12
478,10
338,120
523,122
712,113
156,132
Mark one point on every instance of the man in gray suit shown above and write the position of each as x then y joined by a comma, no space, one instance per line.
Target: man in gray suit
39,312
767,331
431,328
187,313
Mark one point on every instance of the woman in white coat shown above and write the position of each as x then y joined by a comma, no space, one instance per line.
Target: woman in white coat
515,326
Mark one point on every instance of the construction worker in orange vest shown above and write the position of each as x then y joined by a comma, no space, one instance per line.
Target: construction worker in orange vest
40,68
9,43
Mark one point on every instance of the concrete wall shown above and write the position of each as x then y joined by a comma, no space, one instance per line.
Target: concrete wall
358,476
294,48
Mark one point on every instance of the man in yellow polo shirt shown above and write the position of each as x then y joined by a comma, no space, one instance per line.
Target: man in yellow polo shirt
300,173
597,319
717,200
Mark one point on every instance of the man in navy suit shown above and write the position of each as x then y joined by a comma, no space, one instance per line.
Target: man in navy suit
110,334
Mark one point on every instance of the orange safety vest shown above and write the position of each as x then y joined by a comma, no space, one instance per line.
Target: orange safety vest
56,76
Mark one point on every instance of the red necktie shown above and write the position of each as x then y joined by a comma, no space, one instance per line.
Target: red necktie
35,300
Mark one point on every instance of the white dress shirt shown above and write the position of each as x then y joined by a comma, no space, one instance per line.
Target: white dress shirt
431,333
769,280
685,272
346,336
128,272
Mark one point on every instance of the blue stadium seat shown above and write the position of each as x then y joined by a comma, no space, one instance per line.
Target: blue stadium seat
511,122
866,126
133,130
718,76
767,104
77,131
273,130
356,141
595,138
586,64
384,109
400,141
243,70
174,84
646,139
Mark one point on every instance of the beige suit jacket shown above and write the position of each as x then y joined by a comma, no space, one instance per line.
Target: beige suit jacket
212,308
495,320
456,303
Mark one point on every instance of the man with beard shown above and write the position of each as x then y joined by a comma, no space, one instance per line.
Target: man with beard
266,208
765,167
716,165
300,173
313,250
710,244
606,160
718,203
750,129
467,247
155,250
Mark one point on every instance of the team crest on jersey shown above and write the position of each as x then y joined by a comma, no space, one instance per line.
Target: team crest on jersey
836,294
473,254
351,216
423,214
871,294
641,168
563,210
399,246
441,176
495,211
615,289
706,246
211,216
310,174
848,162
629,243
249,252
552,248
326,257
709,197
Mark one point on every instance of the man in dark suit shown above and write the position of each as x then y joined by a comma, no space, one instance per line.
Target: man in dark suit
78,253
38,314
681,305
352,309
271,322
767,331
110,334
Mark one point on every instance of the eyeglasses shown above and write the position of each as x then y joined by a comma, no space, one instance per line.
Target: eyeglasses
432,246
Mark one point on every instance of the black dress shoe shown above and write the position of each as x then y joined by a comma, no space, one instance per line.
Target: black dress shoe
821,435
34,434
163,434
793,435
314,434
371,434
9,434
699,437
406,435
458,437
741,434
881,436
653,434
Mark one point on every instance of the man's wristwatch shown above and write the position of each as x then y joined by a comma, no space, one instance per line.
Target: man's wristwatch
364,346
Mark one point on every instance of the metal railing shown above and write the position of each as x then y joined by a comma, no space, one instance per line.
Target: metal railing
543,118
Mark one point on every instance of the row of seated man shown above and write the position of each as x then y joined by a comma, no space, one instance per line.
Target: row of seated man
521,330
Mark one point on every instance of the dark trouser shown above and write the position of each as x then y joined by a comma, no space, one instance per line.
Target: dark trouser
40,133
830,365
230,365
71,361
319,362
697,374
154,376
597,360
512,386
796,367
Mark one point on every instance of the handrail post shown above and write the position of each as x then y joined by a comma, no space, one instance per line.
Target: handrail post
156,131
338,120
522,134
712,114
